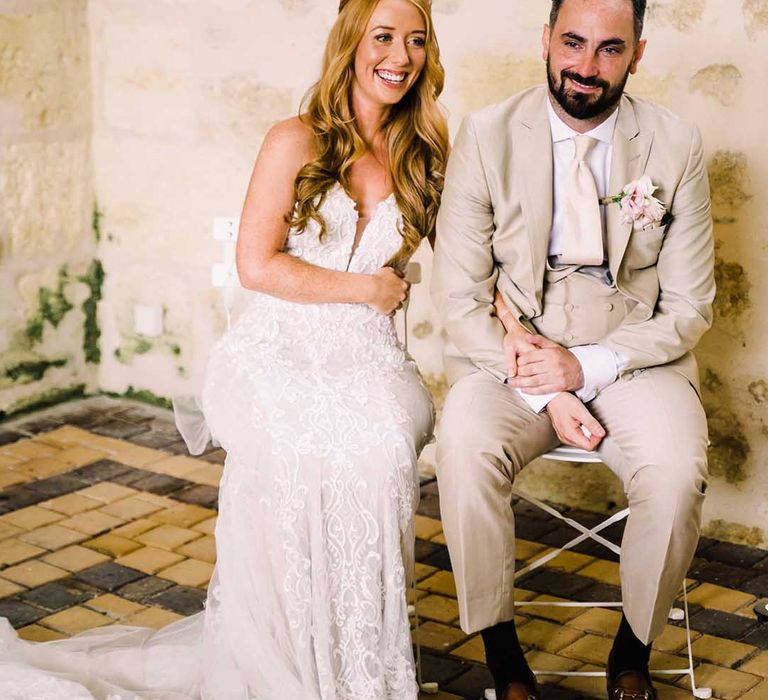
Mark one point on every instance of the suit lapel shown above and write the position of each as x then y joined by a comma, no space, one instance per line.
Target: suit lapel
631,148
532,159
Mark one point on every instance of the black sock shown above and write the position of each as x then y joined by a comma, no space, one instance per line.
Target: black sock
505,657
629,653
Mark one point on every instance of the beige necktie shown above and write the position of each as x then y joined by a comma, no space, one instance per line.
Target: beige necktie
582,241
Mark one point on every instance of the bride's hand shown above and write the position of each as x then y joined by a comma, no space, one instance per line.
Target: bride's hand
389,291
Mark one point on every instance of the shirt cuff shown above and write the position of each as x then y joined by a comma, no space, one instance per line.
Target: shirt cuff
536,402
600,366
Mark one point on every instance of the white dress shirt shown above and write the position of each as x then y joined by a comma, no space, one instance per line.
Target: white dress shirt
599,364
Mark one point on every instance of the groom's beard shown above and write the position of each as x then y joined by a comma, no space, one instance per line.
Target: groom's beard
580,105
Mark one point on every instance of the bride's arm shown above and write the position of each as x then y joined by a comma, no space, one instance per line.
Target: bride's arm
507,318
262,264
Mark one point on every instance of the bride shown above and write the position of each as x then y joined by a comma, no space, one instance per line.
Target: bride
320,410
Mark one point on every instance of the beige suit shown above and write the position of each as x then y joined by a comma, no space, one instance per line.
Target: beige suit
493,232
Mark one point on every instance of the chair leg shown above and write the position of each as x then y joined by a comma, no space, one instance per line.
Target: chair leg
430,687
703,693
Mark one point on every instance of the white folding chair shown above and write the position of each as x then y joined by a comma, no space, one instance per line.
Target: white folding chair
575,455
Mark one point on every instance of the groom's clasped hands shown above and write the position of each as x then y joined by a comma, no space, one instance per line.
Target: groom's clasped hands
537,365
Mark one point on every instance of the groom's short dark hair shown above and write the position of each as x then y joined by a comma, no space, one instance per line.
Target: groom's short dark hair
638,8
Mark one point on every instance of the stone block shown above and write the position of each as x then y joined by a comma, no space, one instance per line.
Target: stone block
112,544
183,515
154,618
441,582
184,600
207,473
547,636
75,558
438,608
34,573
76,619
199,494
92,522
439,637
114,606
757,665
38,633
107,492
71,504
726,684
189,572
12,551
168,537
203,549
142,590
53,537
129,508
108,576
56,596
721,652
149,559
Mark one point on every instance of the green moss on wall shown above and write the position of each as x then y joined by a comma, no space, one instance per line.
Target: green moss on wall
96,222
135,345
52,306
31,370
94,280
44,399
143,395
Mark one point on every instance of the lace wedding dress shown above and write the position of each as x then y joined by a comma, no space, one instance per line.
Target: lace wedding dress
322,415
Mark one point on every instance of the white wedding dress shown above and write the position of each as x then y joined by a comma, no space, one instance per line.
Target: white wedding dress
322,415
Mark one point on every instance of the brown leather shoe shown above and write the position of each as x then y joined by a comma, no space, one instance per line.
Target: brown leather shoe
629,685
520,691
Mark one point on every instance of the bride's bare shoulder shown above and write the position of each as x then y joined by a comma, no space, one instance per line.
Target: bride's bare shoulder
290,141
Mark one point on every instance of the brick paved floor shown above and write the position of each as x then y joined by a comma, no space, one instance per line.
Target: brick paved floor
104,518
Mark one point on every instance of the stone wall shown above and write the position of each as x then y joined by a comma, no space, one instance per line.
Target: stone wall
49,276
182,96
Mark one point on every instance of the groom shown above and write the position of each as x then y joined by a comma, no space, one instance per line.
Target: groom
599,303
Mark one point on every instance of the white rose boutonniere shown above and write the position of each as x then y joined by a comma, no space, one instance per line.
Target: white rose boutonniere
638,205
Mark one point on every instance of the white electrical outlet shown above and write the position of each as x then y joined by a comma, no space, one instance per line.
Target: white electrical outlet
148,320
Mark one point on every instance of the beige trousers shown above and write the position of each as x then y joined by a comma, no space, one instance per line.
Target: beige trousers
656,444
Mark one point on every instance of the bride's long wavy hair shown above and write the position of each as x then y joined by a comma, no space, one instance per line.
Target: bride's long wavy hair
415,132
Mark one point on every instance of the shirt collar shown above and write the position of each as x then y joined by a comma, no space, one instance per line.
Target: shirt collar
562,132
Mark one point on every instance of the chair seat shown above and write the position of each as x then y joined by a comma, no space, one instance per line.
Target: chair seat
565,453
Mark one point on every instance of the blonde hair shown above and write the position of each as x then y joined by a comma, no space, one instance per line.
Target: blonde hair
415,132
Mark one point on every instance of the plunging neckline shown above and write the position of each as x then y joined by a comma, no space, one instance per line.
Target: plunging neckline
356,242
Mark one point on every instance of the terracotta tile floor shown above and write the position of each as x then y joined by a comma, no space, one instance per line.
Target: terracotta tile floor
104,518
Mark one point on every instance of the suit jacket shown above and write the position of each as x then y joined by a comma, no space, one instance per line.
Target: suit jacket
495,219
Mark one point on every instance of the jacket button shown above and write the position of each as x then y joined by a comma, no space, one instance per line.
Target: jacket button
609,307
569,307
568,337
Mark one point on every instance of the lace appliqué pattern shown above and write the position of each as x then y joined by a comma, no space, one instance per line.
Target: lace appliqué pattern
339,414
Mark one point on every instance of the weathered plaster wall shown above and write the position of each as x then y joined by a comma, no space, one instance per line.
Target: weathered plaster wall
48,273
177,125
184,92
